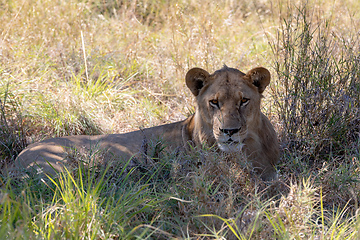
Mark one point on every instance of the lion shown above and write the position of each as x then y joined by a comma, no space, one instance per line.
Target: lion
227,117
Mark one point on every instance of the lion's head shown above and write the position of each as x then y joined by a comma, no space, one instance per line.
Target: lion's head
228,104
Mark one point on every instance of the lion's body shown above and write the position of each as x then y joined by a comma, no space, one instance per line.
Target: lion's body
227,116
121,146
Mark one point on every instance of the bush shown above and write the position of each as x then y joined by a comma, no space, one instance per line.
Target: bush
317,93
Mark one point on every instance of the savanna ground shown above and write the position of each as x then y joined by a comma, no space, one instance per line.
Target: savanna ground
92,67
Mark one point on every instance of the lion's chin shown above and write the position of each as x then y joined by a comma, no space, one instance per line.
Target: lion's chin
230,147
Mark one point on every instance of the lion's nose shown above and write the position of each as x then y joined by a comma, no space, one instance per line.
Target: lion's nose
230,132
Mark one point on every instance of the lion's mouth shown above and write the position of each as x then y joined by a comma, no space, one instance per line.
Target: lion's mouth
230,145
231,141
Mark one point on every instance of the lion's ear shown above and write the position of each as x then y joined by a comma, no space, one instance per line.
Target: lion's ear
260,77
195,79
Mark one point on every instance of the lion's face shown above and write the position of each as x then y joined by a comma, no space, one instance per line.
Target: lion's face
228,104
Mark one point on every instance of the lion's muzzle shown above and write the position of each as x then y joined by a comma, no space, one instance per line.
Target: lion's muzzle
230,132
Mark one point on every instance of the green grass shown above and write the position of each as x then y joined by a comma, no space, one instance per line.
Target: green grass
93,67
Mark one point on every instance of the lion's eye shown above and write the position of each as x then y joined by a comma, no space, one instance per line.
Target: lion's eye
214,103
244,101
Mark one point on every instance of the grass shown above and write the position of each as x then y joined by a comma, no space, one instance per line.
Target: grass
92,67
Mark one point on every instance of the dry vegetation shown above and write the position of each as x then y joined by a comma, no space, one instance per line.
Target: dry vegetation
90,67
